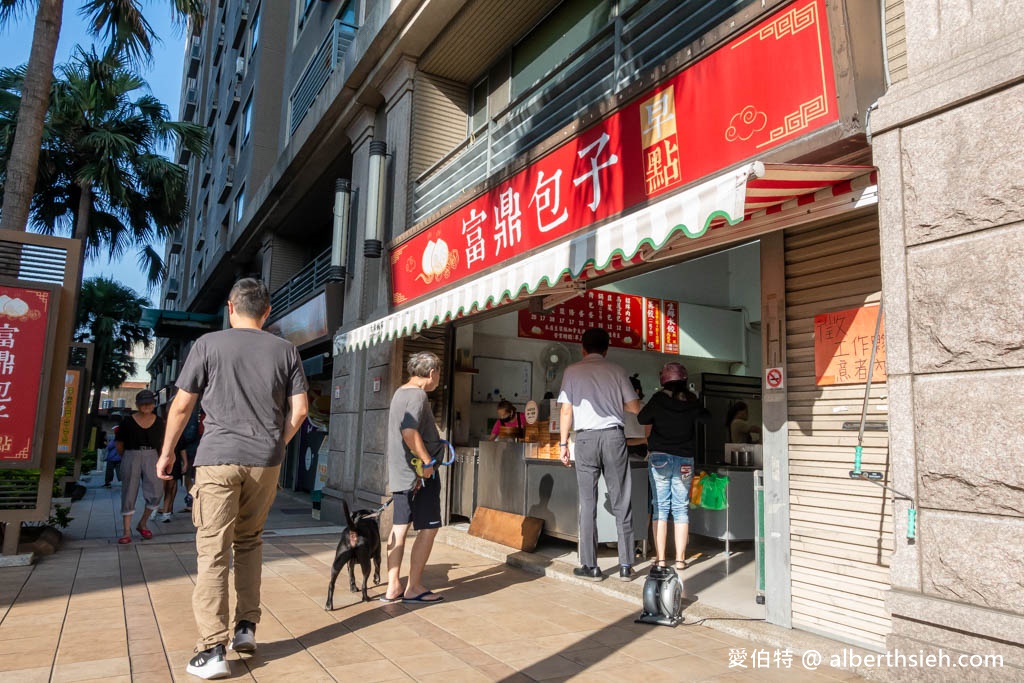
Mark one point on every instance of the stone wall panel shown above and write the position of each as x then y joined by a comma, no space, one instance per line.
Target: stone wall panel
380,399
973,559
373,473
965,460
963,169
375,429
939,30
965,302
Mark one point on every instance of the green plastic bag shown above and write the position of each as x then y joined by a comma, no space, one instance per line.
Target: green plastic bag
713,492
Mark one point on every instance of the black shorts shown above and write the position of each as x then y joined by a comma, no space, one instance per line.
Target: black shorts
422,508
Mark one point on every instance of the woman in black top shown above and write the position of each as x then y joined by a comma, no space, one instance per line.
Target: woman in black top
673,415
139,439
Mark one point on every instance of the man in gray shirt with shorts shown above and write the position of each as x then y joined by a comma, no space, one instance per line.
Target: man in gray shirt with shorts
254,395
413,445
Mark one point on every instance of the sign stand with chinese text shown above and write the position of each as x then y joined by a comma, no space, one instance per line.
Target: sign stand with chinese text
37,276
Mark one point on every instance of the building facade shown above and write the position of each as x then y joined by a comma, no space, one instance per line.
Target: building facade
944,141
358,146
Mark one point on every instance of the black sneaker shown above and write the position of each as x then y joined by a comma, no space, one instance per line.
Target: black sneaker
245,637
626,573
588,573
210,663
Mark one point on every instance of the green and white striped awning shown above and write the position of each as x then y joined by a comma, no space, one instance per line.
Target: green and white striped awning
753,189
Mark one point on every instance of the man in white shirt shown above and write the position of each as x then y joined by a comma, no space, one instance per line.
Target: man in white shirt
595,394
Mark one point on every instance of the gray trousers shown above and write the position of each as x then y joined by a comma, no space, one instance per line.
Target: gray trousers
604,452
139,467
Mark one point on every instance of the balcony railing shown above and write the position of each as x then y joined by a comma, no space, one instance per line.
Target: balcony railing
318,71
299,288
615,57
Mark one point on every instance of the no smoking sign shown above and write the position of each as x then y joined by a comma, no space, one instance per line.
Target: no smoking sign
774,378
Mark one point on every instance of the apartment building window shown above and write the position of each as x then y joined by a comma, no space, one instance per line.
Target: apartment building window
247,119
239,205
564,31
478,107
254,32
305,8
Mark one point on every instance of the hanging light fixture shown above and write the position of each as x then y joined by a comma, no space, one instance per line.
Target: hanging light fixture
339,242
373,247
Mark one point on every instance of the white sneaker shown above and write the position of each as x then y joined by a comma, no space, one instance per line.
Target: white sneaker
210,663
245,637
165,516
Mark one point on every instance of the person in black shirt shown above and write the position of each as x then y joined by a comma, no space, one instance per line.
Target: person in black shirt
139,436
673,415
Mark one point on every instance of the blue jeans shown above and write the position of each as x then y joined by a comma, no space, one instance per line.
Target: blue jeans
670,477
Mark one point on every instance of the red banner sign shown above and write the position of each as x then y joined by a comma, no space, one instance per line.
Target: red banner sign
736,103
620,314
652,324
24,318
671,337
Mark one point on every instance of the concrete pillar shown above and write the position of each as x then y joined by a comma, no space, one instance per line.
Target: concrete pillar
947,145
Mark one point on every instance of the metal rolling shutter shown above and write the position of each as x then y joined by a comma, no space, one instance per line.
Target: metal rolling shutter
841,529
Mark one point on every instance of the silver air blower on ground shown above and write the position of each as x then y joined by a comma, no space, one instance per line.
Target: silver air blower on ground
663,598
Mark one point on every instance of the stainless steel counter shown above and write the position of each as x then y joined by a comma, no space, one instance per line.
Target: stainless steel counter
511,480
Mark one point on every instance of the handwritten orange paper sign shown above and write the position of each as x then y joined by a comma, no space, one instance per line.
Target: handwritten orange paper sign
842,347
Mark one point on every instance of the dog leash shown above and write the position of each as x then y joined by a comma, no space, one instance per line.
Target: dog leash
381,508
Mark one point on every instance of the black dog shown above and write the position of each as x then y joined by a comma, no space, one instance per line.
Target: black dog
359,543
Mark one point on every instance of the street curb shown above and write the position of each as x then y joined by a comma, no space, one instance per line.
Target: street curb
769,635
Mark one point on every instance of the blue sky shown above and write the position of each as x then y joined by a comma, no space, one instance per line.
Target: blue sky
163,75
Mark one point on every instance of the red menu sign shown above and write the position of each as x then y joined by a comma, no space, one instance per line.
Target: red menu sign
24,320
734,104
671,336
620,314
652,324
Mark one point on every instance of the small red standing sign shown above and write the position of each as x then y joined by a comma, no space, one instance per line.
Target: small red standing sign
25,314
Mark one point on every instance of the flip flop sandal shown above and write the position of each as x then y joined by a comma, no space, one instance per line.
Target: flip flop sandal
386,599
145,533
124,540
425,598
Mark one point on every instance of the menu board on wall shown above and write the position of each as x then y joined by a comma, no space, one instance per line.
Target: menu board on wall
842,347
24,325
671,338
620,314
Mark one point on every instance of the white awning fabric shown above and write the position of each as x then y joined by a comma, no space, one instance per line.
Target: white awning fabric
725,199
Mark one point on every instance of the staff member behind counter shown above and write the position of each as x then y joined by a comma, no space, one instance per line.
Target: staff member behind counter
508,416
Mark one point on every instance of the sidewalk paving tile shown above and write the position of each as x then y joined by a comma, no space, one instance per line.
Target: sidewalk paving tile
99,611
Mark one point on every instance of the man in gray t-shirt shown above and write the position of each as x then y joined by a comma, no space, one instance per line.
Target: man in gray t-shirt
413,445
254,394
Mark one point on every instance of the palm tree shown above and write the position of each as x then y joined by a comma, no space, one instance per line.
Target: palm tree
101,176
108,317
127,32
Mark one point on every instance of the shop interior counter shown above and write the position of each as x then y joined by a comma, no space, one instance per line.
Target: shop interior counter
512,479
552,495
